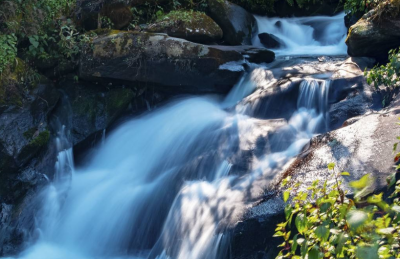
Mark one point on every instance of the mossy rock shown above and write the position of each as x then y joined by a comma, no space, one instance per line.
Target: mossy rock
189,25
172,64
26,99
370,38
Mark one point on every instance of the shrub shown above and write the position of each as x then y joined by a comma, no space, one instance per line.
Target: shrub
387,75
328,224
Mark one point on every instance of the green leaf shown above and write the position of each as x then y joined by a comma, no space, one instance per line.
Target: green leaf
288,211
346,174
34,42
303,249
301,223
375,198
313,253
286,195
362,183
331,166
385,231
356,219
294,245
322,232
367,252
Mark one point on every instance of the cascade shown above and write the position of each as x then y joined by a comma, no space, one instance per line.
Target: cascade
161,185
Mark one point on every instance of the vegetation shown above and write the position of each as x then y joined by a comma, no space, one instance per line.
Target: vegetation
329,224
387,75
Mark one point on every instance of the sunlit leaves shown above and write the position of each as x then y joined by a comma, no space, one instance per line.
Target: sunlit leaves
356,219
330,225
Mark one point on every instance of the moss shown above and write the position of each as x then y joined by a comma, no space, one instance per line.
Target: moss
34,146
41,140
117,100
29,133
14,83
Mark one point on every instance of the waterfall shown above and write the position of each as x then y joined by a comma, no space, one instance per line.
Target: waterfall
318,35
161,186
138,198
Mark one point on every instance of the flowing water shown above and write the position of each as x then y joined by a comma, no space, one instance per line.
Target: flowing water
328,34
163,185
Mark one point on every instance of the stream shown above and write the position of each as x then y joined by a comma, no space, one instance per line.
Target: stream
171,183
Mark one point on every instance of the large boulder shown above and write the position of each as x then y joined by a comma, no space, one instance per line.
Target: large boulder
173,64
188,25
372,38
237,24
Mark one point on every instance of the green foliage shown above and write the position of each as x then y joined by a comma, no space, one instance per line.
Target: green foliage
358,6
8,50
328,224
387,75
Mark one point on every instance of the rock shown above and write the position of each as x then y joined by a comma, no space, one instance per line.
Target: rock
251,54
173,64
188,25
350,19
278,24
371,38
237,24
270,40
89,109
24,108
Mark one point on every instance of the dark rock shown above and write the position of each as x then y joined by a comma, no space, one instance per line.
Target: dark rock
278,24
371,38
352,18
88,109
23,120
251,54
270,40
175,64
191,26
237,24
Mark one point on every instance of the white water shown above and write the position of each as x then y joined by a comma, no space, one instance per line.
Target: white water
318,35
160,186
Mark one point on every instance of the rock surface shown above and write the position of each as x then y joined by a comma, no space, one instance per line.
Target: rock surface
351,147
24,108
270,40
88,109
191,26
237,24
371,38
176,65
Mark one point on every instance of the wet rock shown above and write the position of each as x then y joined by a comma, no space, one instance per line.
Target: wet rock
278,24
176,65
89,109
349,95
372,38
191,26
237,24
270,40
24,109
251,54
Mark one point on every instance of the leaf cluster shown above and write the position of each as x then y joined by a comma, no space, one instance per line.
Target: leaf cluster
323,222
387,75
